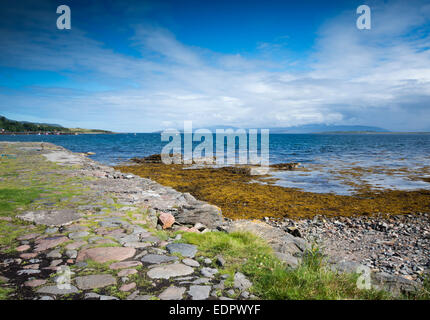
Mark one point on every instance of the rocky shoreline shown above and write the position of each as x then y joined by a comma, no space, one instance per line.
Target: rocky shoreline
117,218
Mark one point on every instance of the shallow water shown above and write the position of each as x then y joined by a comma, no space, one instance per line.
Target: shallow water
397,161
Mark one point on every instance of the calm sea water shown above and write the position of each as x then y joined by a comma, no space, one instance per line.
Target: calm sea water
322,155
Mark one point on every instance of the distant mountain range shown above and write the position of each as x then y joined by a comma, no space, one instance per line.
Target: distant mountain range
310,128
322,128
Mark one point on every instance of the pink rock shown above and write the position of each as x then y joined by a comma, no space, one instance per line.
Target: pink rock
22,248
70,261
104,241
105,254
127,287
114,232
125,264
48,243
166,219
51,268
188,229
126,272
75,245
28,255
31,266
55,263
34,283
28,236
163,244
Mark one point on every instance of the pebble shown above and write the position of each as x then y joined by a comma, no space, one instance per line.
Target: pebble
23,248
191,262
169,271
186,250
127,287
172,293
94,281
209,272
199,292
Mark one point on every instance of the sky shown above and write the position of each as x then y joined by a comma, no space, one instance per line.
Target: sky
142,66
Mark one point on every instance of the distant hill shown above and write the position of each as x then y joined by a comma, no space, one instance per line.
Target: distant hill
322,128
25,126
308,128
8,125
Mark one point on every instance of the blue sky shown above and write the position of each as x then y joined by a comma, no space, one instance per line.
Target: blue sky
139,66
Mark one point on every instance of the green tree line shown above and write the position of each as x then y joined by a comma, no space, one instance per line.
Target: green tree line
18,126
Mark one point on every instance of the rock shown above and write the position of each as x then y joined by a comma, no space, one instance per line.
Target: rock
27,272
220,285
127,287
78,235
191,262
46,298
34,283
172,293
279,240
136,244
288,259
209,272
75,245
241,282
220,261
54,254
166,220
29,236
294,231
48,243
28,255
126,272
207,261
105,254
186,250
202,281
346,266
169,271
91,295
51,218
151,239
199,226
55,263
199,292
199,212
108,298
394,284
158,258
231,292
51,230
94,281
22,248
124,264
56,290
71,253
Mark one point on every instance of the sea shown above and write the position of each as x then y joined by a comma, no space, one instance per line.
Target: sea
330,163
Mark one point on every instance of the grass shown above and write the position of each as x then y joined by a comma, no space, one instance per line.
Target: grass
271,279
10,201
13,198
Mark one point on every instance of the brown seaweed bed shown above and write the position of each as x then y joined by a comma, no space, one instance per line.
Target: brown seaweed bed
241,195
